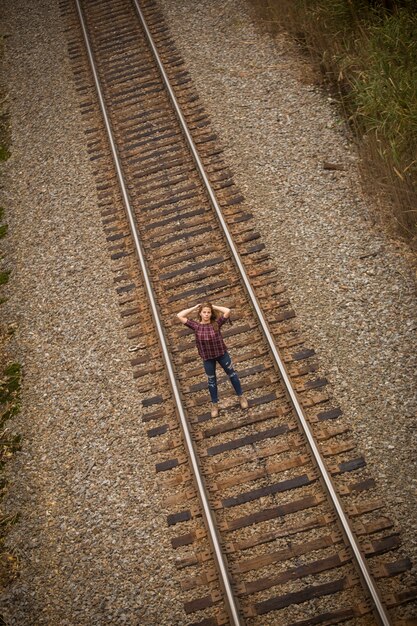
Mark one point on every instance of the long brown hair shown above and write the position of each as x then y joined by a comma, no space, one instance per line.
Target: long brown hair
214,315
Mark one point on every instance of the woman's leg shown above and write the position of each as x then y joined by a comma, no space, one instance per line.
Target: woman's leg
210,369
226,363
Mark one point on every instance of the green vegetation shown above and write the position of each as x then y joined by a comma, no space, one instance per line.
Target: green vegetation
4,119
10,377
9,444
368,50
9,397
4,152
4,277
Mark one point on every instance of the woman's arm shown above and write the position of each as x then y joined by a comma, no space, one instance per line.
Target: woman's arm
223,310
183,315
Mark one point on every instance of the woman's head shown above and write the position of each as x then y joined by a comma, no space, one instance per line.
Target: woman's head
206,313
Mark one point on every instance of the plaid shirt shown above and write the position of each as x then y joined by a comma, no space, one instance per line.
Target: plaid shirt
209,343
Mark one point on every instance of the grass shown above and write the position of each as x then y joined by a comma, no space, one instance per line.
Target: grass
4,277
368,52
5,137
9,444
10,381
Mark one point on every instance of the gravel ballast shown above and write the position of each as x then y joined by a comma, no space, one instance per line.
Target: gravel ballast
84,482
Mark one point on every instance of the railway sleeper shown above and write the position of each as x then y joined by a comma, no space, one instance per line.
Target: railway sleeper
330,618
193,512
164,466
295,573
203,603
131,297
302,387
198,277
175,254
262,472
207,290
180,477
282,317
252,402
248,420
285,554
347,466
368,528
135,147
313,398
192,230
302,370
381,546
302,480
356,487
181,497
268,280
184,237
143,358
293,442
194,267
194,212
160,413
323,434
165,446
164,429
189,538
251,249
191,559
402,597
338,448
151,368
323,416
387,570
275,512
220,619
249,439
166,205
161,158
172,163
201,580
306,594
313,522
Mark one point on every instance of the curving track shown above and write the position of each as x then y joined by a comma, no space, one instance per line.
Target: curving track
259,524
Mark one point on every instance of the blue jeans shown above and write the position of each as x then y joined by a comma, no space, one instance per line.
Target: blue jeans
210,368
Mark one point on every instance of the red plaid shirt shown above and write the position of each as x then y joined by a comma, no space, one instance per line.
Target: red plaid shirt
209,343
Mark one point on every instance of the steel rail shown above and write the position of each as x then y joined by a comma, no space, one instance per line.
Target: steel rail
360,560
208,515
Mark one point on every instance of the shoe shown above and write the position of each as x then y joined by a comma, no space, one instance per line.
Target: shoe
214,410
243,402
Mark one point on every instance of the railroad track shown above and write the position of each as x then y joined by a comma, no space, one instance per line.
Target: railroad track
274,517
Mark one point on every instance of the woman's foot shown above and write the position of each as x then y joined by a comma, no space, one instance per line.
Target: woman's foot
243,402
214,410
